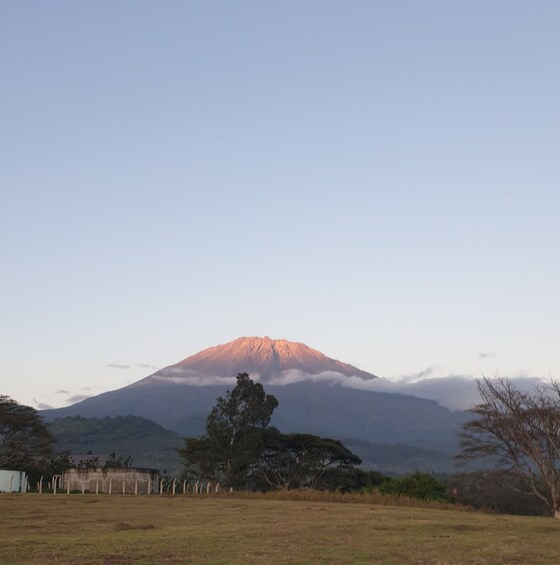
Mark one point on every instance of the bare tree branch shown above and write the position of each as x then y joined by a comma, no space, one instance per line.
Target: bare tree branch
521,432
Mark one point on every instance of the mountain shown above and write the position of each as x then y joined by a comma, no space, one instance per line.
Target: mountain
309,386
399,458
270,359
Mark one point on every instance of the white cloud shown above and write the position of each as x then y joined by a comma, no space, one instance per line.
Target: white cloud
118,366
77,398
42,405
180,376
456,392
489,355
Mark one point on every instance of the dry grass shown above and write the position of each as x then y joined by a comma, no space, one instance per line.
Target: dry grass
374,497
82,530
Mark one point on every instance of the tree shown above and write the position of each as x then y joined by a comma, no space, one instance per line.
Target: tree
115,461
521,432
496,490
231,448
292,460
24,438
200,459
54,465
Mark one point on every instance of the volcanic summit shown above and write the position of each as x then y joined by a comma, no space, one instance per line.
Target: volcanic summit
262,357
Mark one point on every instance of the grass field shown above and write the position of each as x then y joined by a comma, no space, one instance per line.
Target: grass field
79,530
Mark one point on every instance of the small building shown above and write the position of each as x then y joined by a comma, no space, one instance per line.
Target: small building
13,481
129,480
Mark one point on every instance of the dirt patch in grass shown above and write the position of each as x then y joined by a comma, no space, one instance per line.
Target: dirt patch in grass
121,526
464,528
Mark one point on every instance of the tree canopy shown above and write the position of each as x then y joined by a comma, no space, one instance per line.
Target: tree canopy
296,460
231,447
241,449
24,438
520,431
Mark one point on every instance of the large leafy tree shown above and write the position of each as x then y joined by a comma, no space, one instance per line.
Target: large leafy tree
520,432
24,438
297,460
231,448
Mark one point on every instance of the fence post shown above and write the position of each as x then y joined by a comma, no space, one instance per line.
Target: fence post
83,487
96,486
54,484
174,482
68,486
217,487
41,485
111,485
149,486
161,487
136,486
184,486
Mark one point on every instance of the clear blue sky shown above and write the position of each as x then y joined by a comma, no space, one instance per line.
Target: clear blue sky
380,180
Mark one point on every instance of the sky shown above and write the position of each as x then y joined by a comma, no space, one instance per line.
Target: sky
377,179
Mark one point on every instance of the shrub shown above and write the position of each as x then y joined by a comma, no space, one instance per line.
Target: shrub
422,486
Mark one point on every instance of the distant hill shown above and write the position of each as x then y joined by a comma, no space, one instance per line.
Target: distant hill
149,444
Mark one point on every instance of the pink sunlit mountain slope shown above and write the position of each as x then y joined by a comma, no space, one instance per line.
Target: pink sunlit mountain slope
269,359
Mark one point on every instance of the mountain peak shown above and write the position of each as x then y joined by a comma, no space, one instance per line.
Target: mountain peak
268,358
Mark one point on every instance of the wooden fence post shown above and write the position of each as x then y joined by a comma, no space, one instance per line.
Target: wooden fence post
111,485
184,486
96,486
161,487
41,485
149,486
136,486
174,482
68,485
